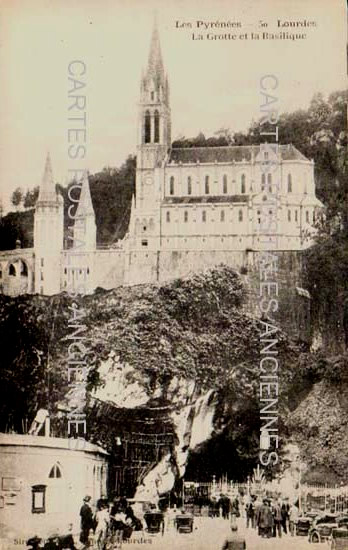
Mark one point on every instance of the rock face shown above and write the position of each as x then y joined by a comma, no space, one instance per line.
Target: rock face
121,384
192,415
184,356
193,425
320,426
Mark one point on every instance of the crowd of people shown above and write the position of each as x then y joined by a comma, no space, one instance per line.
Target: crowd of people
115,520
271,517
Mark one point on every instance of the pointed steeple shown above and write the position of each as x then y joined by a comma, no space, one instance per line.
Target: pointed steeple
155,69
47,191
85,206
85,231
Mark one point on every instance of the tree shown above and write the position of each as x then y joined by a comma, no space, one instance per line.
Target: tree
31,197
227,134
17,197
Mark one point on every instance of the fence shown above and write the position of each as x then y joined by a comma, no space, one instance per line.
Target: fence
325,497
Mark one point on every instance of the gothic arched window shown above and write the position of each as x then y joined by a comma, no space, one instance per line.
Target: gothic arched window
242,184
222,216
263,182
12,270
147,127
269,181
289,183
240,215
204,216
185,216
171,185
206,185
224,184
168,216
289,215
189,185
55,472
157,127
24,269
307,216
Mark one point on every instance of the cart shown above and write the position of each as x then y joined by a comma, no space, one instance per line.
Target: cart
184,523
339,538
154,522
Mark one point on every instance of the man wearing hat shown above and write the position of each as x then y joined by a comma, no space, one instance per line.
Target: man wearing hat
86,519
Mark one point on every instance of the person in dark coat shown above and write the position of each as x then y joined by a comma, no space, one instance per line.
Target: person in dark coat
235,509
250,511
265,520
87,523
277,519
285,516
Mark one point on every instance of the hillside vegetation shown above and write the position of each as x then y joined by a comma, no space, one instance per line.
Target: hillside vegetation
191,329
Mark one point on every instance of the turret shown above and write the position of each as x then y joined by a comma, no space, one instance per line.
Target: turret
48,234
85,230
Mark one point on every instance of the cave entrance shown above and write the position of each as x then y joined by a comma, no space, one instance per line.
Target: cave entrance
220,458
136,439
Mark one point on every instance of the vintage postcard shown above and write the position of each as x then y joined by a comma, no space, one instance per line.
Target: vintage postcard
173,274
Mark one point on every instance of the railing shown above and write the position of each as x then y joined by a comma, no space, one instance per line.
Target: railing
321,496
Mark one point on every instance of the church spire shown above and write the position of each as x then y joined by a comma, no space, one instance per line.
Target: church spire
85,231
47,191
155,68
85,206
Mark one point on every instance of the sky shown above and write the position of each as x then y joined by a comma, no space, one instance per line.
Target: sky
214,83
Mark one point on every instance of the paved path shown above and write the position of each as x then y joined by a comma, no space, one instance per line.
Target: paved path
210,533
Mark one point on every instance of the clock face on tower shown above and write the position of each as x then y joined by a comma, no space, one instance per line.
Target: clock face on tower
148,180
148,185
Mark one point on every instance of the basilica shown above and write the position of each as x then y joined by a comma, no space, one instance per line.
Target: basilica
193,208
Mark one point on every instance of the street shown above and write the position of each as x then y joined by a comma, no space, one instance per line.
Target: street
210,533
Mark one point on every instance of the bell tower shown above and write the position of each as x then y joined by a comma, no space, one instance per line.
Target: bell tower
153,143
154,125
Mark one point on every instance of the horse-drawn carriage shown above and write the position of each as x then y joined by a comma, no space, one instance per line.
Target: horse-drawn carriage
184,523
154,522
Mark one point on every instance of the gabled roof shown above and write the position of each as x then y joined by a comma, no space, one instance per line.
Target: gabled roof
226,154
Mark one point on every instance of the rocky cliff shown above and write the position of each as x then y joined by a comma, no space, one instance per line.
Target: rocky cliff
179,359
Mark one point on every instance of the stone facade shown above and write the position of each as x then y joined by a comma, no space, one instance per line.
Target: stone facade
193,208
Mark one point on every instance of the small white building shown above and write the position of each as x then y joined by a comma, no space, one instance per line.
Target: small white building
43,482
